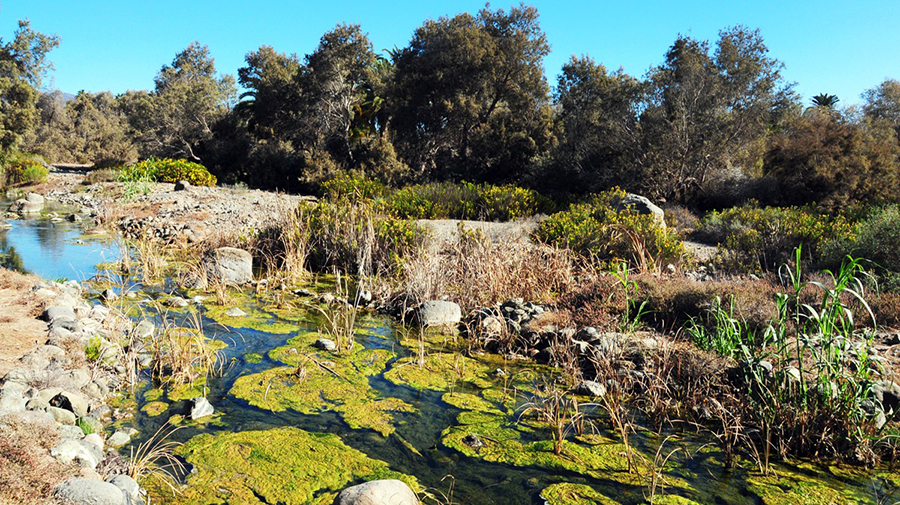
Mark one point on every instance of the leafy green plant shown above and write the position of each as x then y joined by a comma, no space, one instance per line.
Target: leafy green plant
85,426
633,312
466,201
23,169
726,334
93,351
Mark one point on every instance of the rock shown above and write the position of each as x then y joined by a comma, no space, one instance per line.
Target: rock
59,313
888,394
378,492
73,218
80,491
325,344
118,439
235,312
200,407
176,302
128,486
62,416
438,313
96,389
642,205
109,295
182,185
83,453
76,378
40,404
73,402
229,265
143,330
473,441
35,198
590,388
492,326
94,439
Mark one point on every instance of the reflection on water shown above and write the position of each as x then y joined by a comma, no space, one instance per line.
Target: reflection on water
52,250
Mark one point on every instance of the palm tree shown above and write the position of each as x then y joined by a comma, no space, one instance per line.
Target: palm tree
825,100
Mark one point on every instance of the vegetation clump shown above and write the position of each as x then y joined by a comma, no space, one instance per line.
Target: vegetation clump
168,170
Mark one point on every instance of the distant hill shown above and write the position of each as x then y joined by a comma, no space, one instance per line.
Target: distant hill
68,97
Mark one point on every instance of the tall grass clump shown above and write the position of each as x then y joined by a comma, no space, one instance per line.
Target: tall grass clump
183,354
596,230
808,376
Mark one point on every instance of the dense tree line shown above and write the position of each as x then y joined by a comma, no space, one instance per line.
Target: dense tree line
712,125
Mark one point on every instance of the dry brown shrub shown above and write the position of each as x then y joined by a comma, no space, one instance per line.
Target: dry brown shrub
28,474
477,273
674,301
886,307
599,304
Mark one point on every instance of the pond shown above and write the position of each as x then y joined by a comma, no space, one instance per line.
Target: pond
295,424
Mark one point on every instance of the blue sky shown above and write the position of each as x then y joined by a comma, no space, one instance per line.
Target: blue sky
827,46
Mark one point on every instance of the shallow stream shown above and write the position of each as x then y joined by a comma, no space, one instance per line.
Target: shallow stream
295,424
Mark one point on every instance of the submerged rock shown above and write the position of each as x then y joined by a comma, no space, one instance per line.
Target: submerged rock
200,407
325,344
378,492
590,388
235,312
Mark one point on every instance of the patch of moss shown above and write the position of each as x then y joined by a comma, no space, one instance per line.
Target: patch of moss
567,493
252,358
285,465
187,391
439,372
154,409
292,352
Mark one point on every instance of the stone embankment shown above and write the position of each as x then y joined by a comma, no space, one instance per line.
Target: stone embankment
63,387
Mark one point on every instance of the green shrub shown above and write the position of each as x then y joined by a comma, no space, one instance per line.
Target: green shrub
23,169
467,201
168,170
596,230
352,186
762,238
875,238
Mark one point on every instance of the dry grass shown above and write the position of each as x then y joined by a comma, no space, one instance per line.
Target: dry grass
477,273
155,459
182,355
28,474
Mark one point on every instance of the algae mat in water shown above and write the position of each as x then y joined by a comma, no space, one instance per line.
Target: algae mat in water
284,465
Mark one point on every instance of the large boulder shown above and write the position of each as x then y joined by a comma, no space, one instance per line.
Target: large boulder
378,492
229,265
89,492
642,205
33,203
438,313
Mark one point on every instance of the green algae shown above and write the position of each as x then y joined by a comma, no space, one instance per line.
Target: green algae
293,351
320,382
155,408
285,465
439,372
252,358
807,484
256,318
466,401
153,394
567,493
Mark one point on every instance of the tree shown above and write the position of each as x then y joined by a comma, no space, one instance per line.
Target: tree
23,63
706,113
469,96
271,103
179,115
882,103
598,128
833,158
825,100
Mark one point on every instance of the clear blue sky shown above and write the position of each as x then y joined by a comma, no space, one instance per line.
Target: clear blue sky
827,46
